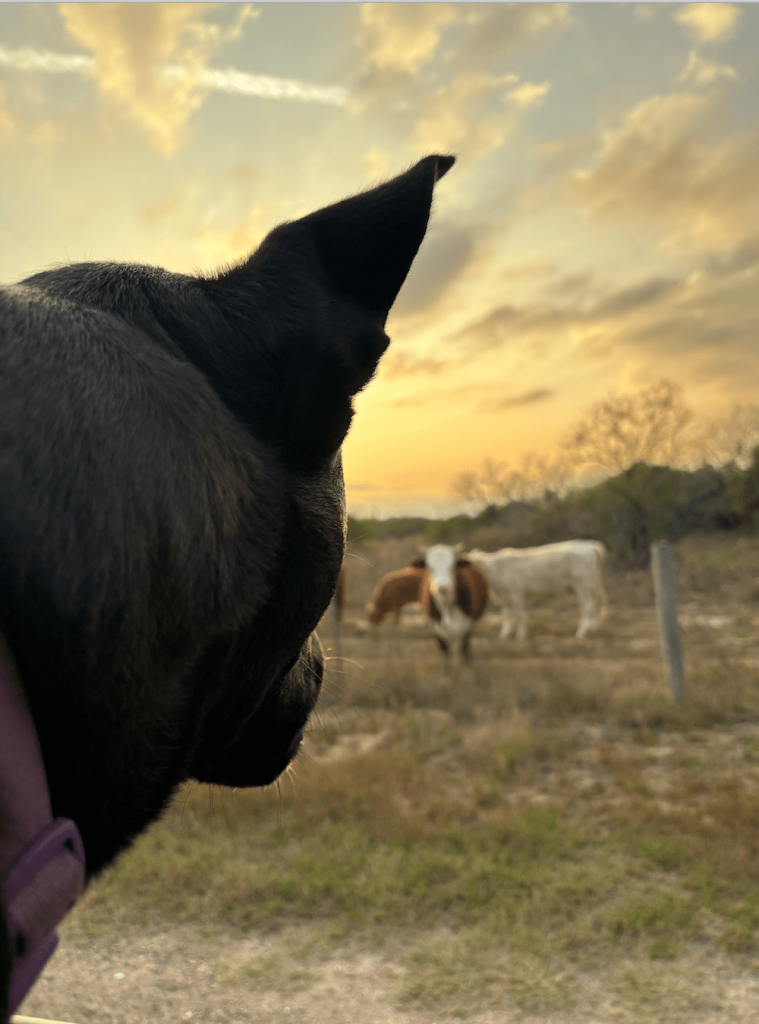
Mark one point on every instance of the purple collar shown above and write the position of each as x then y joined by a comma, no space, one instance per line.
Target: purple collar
41,860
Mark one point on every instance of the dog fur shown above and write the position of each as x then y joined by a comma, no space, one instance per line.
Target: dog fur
172,517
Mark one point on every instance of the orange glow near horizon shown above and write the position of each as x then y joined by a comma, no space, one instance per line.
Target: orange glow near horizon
597,234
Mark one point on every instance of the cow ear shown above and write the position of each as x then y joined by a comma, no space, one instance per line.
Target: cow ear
366,244
458,548
418,563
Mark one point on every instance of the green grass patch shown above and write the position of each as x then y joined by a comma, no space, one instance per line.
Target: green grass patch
502,903
661,851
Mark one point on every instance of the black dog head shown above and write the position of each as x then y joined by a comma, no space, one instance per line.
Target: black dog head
171,500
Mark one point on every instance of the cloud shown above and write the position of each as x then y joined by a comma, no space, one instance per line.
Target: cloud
699,327
224,245
210,226
132,43
397,39
454,115
529,94
709,23
633,298
510,323
28,59
742,258
360,487
405,364
654,163
514,401
699,72
268,87
435,96
571,284
151,61
447,250
228,80
160,97
493,31
555,156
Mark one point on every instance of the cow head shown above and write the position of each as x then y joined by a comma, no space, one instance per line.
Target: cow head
440,561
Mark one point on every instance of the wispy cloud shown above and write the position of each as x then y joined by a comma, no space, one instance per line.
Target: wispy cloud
228,80
699,71
245,84
27,59
360,487
406,364
513,401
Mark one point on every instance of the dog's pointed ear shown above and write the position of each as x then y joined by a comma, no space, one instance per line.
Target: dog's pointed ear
367,243
310,307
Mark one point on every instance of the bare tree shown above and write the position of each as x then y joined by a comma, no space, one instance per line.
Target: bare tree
498,483
731,438
647,426
492,485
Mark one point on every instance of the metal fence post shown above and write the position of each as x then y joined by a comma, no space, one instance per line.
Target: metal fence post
663,570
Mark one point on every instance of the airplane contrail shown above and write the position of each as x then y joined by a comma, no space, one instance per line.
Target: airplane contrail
228,80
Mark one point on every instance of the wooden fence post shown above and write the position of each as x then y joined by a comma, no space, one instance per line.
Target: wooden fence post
663,570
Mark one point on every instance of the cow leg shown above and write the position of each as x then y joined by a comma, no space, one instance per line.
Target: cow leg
587,613
466,652
506,624
445,651
521,616
602,603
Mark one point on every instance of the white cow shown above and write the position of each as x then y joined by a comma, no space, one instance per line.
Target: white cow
512,573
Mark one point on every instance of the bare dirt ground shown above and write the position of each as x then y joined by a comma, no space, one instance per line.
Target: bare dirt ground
188,973
172,976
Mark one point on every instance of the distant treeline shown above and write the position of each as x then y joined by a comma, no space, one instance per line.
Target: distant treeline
628,512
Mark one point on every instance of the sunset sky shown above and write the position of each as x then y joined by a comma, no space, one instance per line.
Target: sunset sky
600,230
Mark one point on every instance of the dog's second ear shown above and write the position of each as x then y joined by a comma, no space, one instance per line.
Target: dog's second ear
317,293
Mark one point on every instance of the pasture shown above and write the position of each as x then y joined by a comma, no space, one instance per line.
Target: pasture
550,838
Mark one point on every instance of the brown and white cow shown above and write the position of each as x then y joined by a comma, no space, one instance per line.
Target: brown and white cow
394,590
453,594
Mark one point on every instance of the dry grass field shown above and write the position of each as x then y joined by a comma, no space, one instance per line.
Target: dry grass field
550,838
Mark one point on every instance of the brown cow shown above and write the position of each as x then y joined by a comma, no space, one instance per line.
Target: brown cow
393,591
